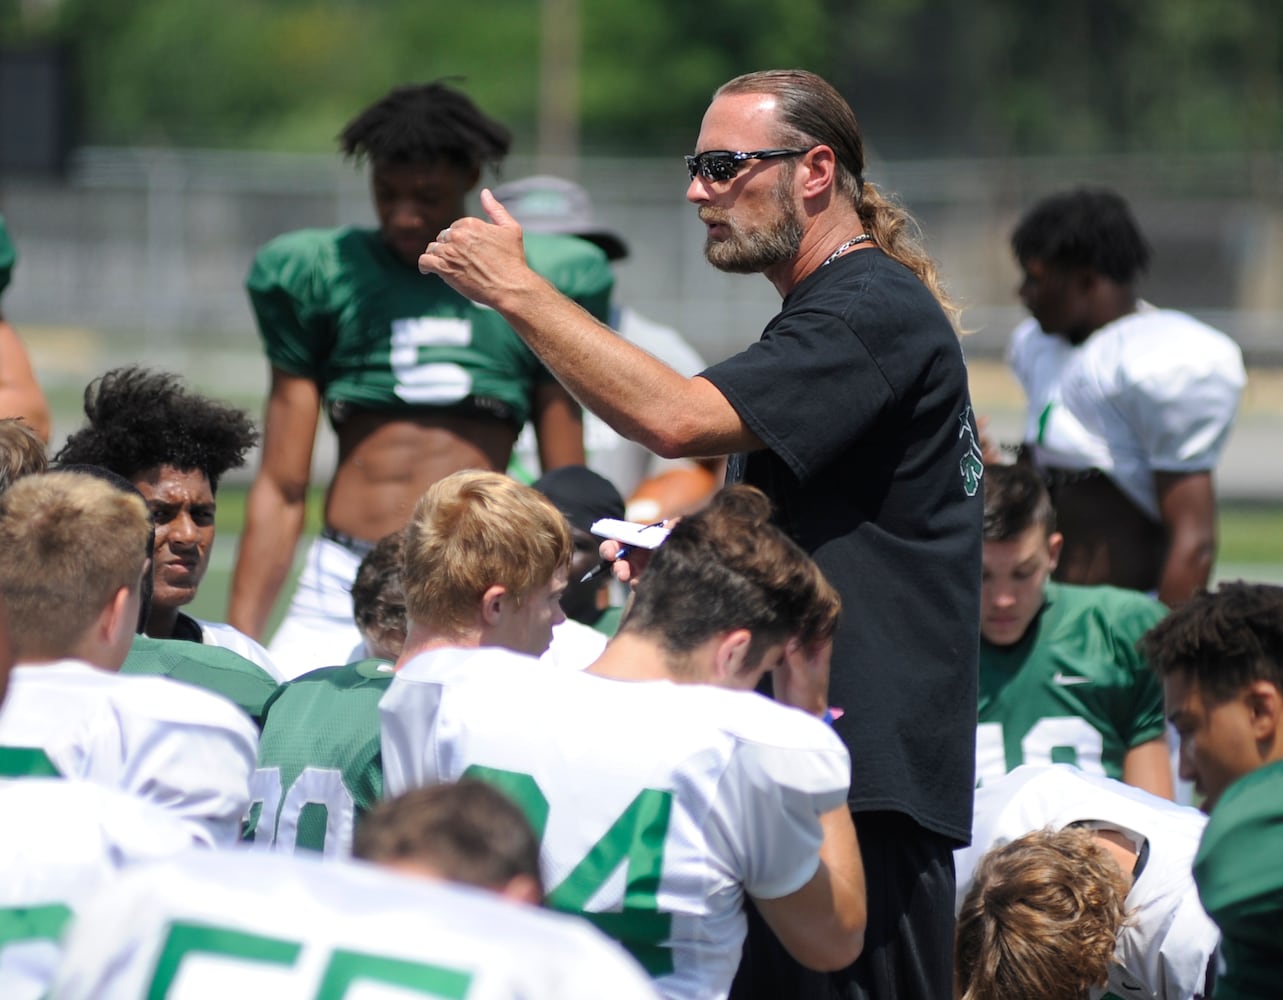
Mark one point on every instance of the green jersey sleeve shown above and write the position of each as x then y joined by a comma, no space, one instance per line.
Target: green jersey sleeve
290,300
8,256
1240,881
1140,717
213,668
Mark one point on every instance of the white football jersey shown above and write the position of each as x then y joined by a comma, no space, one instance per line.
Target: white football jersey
238,923
229,637
1153,391
574,645
184,749
1165,947
658,805
59,841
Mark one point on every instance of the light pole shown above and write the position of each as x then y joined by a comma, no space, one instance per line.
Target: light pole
558,143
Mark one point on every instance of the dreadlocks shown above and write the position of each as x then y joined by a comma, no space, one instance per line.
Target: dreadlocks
425,122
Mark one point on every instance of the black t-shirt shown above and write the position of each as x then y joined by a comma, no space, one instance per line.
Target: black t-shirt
859,390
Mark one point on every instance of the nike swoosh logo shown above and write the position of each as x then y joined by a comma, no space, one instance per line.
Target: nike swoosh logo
1065,680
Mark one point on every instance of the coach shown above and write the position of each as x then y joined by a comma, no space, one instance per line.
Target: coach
852,413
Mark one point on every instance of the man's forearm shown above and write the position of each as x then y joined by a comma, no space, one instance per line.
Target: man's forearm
628,388
1187,570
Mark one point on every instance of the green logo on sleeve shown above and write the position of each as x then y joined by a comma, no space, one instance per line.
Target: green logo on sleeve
972,464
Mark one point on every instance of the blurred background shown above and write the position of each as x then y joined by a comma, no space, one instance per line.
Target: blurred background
148,147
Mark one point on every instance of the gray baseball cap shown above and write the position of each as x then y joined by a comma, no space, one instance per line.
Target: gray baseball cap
545,204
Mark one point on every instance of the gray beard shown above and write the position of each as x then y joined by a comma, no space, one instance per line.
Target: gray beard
755,252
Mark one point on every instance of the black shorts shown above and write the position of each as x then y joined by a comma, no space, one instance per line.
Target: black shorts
908,946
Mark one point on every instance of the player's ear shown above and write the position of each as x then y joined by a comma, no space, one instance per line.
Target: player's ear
116,615
1055,542
522,889
730,655
1265,702
113,627
492,604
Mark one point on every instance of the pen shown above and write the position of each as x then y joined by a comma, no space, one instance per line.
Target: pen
597,570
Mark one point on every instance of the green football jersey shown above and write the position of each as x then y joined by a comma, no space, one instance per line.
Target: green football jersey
340,308
1074,689
8,256
210,667
610,620
1239,872
319,762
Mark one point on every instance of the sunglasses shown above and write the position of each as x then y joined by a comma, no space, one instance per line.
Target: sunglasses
723,165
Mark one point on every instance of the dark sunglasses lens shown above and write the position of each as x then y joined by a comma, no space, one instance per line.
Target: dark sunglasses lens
720,166
715,166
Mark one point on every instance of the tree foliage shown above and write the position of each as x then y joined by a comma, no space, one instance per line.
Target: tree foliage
931,77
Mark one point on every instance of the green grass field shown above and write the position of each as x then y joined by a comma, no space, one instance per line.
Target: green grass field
1251,547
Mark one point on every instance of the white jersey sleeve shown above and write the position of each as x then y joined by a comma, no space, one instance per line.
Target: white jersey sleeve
1168,942
241,923
1175,381
59,841
181,748
228,637
1153,391
765,818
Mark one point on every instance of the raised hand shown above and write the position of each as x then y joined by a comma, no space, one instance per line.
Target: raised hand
486,261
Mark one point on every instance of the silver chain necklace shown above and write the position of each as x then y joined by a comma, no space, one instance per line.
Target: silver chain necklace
862,238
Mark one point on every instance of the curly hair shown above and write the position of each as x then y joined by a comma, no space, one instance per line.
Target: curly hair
378,598
140,419
1041,919
1087,227
425,122
1224,640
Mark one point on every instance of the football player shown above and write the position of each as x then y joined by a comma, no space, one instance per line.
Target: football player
1061,679
1073,882
500,550
75,557
1221,659
664,788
